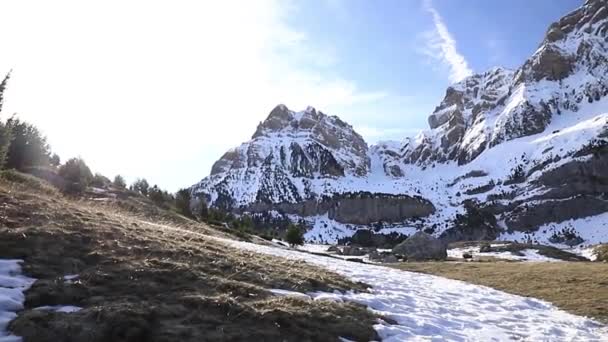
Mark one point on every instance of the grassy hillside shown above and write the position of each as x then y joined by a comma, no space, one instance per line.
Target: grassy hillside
145,274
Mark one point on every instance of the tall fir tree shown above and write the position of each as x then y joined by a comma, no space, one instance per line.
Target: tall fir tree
5,133
28,147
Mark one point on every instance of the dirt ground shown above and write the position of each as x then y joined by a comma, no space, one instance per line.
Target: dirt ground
578,287
149,275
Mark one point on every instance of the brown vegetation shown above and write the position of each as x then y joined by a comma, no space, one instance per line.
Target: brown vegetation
146,274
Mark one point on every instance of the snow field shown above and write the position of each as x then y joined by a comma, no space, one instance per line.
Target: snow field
433,308
12,286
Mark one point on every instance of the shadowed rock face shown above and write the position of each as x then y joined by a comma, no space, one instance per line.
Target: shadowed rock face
574,190
530,217
363,209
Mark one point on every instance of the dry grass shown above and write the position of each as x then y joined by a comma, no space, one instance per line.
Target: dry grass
17,181
577,287
147,274
601,252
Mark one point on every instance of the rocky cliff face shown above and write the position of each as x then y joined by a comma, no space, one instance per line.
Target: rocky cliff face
523,149
569,68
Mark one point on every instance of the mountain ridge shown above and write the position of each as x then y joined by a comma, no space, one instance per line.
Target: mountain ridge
543,122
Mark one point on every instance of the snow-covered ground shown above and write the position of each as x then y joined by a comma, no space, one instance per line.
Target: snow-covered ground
528,254
12,286
433,308
587,252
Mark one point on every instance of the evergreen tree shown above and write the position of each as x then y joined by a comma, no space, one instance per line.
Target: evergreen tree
55,161
294,236
141,186
182,202
100,181
203,209
5,133
77,175
156,195
119,182
28,147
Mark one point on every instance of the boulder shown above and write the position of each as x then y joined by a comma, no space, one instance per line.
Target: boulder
375,256
351,250
334,249
421,246
382,257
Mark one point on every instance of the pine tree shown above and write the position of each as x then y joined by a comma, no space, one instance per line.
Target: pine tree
55,161
119,182
28,147
76,174
5,133
141,186
100,181
294,236
182,202
203,209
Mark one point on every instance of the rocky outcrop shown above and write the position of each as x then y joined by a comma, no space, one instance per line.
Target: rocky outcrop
487,109
475,224
464,106
306,144
528,217
571,190
421,246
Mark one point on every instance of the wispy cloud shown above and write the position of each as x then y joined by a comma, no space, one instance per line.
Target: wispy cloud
442,46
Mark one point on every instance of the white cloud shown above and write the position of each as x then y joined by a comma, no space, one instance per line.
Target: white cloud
441,45
160,89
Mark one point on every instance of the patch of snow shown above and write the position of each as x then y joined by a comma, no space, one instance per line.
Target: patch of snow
593,229
12,287
70,277
314,248
280,292
60,308
428,307
334,297
530,255
587,252
343,339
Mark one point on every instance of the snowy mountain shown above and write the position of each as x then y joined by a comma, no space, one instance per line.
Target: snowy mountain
509,154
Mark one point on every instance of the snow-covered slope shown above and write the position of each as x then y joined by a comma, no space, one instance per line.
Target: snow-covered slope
510,154
429,308
287,151
569,69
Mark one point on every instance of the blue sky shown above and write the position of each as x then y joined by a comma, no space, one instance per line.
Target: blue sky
385,47
161,89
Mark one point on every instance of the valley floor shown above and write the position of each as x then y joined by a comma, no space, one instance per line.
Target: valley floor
427,307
